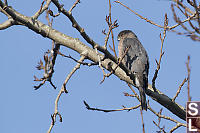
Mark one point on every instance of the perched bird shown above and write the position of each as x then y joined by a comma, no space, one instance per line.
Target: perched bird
136,60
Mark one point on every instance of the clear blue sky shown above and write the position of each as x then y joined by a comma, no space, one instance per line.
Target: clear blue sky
25,110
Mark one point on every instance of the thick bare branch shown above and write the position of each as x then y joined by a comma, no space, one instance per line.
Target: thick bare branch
80,47
167,102
89,40
113,70
8,23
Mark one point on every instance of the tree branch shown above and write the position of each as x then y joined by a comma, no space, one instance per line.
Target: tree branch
42,9
110,110
8,23
63,90
179,89
80,47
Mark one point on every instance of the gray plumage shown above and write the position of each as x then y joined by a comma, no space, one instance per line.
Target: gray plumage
136,60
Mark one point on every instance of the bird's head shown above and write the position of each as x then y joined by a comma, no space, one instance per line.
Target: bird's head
126,34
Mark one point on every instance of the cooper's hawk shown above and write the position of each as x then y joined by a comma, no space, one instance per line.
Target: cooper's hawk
136,60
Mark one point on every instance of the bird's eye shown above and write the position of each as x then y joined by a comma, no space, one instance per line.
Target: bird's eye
118,39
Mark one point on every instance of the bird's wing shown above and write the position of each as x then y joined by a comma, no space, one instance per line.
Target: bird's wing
136,58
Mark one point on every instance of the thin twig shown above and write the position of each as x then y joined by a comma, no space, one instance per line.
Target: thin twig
176,127
111,27
165,117
129,95
82,63
177,20
161,53
188,86
73,71
179,89
113,48
181,22
161,129
42,9
168,118
190,18
183,6
74,5
112,110
149,21
197,13
178,3
136,95
63,90
49,66
159,121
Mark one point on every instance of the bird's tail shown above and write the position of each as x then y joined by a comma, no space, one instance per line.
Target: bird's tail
143,98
